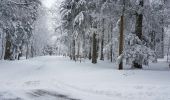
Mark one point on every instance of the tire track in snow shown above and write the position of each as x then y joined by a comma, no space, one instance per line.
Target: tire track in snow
44,93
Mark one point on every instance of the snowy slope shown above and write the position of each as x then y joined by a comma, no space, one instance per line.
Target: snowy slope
58,78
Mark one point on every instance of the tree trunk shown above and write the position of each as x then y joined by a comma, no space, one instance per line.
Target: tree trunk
27,51
32,51
162,41
20,53
94,55
78,50
139,20
74,50
70,51
102,42
8,49
121,40
138,31
108,51
111,47
168,50
3,46
90,49
111,53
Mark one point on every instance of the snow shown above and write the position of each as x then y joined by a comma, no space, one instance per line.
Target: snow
59,78
50,3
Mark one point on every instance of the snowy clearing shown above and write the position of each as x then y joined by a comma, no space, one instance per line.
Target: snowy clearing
58,78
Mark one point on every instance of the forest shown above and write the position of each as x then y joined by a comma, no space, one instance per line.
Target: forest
115,29
46,44
103,29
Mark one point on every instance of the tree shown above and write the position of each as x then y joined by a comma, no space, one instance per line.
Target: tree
113,26
94,54
138,31
121,38
17,18
102,40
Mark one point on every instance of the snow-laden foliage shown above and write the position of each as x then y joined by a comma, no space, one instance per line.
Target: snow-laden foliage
17,18
81,17
136,51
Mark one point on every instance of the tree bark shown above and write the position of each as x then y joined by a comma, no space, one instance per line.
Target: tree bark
121,40
162,39
139,20
102,42
27,51
74,50
160,49
138,31
168,50
70,51
8,48
90,49
78,51
3,46
94,55
111,47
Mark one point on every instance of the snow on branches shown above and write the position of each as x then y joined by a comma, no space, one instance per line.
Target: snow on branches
136,51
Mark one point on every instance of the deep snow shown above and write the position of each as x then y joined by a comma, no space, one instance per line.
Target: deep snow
58,78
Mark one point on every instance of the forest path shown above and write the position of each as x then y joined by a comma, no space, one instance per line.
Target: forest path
58,78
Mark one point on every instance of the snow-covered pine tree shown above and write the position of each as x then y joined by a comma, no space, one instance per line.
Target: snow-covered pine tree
17,18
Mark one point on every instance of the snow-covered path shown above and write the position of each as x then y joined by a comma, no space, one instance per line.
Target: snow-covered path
58,78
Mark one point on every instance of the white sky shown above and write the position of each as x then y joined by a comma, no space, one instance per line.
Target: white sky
49,3
49,16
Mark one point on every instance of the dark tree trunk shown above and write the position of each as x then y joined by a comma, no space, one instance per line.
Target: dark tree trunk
90,49
27,51
20,53
111,53
70,53
94,55
138,31
162,40
8,48
74,50
121,41
78,51
111,47
108,41
32,51
102,42
90,54
121,38
139,20
19,56
162,46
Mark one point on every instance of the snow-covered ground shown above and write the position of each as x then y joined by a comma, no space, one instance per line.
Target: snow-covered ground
58,78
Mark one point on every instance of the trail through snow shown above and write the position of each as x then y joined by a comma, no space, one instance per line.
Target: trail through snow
58,78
